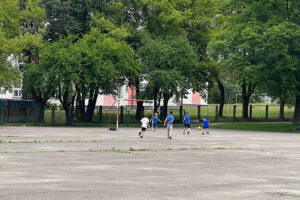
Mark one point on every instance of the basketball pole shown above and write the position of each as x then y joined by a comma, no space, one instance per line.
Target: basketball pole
117,125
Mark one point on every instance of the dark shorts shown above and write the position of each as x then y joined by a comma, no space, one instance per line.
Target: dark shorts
144,129
154,124
204,127
187,125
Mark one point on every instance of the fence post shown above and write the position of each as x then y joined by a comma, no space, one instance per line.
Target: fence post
180,113
199,113
35,115
53,116
216,116
234,112
251,108
128,117
100,108
122,115
267,111
1,115
28,113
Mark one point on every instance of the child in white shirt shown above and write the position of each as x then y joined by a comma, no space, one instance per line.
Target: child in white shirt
144,122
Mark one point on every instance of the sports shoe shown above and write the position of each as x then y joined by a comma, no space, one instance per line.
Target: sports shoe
170,137
207,132
140,133
202,133
141,136
188,132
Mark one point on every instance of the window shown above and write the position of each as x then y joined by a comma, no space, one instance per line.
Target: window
17,93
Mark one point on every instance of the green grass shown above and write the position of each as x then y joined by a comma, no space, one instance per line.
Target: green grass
258,113
259,126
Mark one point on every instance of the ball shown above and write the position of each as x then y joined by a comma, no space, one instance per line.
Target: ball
199,127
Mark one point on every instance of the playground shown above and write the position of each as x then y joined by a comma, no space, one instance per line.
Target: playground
95,163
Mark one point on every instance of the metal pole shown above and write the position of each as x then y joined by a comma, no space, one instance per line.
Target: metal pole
234,112
216,114
118,101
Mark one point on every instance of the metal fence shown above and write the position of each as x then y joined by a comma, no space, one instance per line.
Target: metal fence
30,113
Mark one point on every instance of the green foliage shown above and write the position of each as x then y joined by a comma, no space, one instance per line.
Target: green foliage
167,64
66,16
244,49
17,18
281,44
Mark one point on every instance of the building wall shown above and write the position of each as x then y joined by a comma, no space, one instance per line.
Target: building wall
16,94
127,98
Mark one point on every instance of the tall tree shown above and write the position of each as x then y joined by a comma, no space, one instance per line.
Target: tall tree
168,63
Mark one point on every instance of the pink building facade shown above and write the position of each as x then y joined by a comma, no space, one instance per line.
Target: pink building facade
127,96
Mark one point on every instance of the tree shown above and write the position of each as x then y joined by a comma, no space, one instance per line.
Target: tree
107,63
168,63
9,28
281,44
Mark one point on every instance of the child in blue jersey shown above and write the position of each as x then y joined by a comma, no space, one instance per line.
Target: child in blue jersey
169,122
187,122
205,126
155,121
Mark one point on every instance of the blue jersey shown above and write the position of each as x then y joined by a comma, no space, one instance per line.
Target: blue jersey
187,119
155,119
170,118
205,123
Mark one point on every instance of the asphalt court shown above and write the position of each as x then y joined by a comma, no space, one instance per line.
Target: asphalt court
95,163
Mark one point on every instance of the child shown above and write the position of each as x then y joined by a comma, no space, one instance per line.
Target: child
155,120
187,122
205,126
144,122
169,122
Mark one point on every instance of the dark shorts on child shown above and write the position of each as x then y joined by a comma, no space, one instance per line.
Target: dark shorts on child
154,124
204,127
187,125
144,129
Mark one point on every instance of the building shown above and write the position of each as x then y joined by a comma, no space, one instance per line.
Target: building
127,98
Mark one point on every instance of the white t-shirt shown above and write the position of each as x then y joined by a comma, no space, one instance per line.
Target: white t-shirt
145,121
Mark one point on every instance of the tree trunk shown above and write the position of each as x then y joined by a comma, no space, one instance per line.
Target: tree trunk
165,107
245,101
222,99
139,110
297,110
81,108
155,105
41,113
281,114
91,107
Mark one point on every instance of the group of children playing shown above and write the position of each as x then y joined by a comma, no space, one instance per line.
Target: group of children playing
169,123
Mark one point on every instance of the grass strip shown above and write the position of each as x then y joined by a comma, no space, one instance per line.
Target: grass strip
259,126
